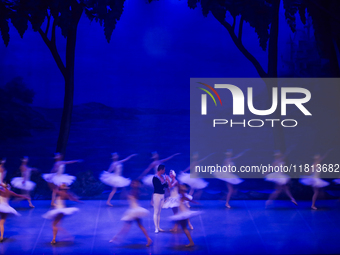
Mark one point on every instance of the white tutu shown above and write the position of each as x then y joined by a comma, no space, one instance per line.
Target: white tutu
336,181
147,180
171,202
114,180
5,208
59,179
48,177
184,215
228,177
313,181
135,213
195,183
65,211
17,182
278,178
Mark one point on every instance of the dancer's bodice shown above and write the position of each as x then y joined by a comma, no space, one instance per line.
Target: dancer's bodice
26,174
133,202
183,207
2,176
60,203
3,200
174,190
61,168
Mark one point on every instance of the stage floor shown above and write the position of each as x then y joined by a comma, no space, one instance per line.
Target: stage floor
247,228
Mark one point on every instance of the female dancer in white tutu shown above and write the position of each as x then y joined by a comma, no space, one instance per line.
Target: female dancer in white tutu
280,179
5,208
113,178
57,176
61,210
173,201
24,183
147,180
230,178
2,170
184,214
194,183
134,213
314,179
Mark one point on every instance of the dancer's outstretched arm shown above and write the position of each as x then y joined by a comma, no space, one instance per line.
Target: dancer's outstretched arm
241,154
168,158
326,154
199,161
72,161
127,158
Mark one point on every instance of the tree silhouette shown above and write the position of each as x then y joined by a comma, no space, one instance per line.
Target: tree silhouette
66,15
263,16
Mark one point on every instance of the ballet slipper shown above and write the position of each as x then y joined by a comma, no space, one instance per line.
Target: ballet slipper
191,227
190,245
53,204
109,204
161,230
53,242
156,231
149,242
228,206
268,203
114,240
313,207
31,205
174,230
294,202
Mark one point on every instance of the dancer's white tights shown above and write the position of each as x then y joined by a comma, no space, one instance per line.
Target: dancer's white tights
158,200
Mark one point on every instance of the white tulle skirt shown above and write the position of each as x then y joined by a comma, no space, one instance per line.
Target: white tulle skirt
147,180
65,211
114,180
59,179
172,202
195,183
278,178
228,177
184,215
17,182
336,181
5,208
313,181
135,213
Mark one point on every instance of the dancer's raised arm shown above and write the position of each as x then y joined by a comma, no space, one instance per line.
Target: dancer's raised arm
240,155
168,158
127,158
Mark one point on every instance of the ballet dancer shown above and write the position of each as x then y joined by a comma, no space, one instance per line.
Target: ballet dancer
194,182
230,178
5,208
184,214
112,176
2,170
60,209
280,179
314,179
134,213
173,201
147,180
57,176
160,182
24,183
